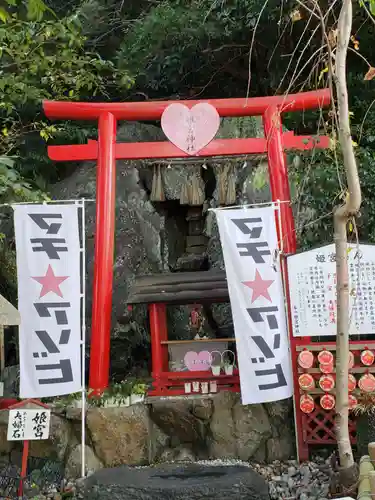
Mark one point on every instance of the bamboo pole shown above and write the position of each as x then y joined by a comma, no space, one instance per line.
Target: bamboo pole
371,476
371,451
2,351
364,488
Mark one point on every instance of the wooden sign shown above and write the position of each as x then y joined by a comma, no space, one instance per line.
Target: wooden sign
26,425
190,129
312,281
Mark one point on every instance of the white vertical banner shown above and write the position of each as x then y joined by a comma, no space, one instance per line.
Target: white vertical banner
250,248
49,299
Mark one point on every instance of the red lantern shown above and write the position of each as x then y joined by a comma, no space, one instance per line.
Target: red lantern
327,383
367,357
306,359
367,383
306,403
326,368
352,382
325,357
327,402
306,381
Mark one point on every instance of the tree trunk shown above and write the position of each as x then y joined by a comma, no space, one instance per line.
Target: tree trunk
348,469
342,341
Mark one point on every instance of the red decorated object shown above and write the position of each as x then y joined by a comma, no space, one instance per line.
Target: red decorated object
318,427
306,382
306,359
325,357
328,368
327,383
367,383
327,402
306,403
352,383
367,357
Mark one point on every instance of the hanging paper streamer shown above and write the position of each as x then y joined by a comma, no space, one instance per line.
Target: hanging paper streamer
196,188
231,189
157,190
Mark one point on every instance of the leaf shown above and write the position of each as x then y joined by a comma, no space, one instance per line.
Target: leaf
36,10
355,42
9,162
351,227
370,75
4,16
5,132
295,15
260,177
324,70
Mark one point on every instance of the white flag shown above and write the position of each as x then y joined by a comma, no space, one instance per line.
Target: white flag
250,248
49,299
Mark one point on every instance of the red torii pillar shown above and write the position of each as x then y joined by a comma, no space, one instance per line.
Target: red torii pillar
106,151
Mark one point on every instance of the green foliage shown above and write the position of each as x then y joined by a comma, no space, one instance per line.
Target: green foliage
42,58
320,186
117,393
370,4
182,46
13,187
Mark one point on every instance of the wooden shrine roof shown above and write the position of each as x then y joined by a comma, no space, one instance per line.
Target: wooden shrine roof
9,315
180,288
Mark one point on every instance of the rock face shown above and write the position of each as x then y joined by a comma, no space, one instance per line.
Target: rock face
170,482
153,237
221,427
73,466
120,435
170,430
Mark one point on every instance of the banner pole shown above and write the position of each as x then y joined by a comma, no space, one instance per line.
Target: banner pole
83,346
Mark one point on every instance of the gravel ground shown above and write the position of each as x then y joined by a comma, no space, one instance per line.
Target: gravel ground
290,480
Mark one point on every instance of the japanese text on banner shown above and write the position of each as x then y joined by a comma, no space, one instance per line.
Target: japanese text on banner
49,299
250,248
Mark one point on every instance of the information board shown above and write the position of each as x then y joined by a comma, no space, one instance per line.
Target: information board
25,424
312,286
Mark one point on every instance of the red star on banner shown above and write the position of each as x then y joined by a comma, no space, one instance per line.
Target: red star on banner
259,287
50,282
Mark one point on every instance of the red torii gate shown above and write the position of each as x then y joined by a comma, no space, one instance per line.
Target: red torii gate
106,151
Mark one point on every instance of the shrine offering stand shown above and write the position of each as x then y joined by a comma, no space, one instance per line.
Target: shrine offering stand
160,290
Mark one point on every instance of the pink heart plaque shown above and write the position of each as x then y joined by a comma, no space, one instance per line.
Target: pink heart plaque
196,362
190,129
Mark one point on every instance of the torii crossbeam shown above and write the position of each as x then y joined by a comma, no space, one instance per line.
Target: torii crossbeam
106,151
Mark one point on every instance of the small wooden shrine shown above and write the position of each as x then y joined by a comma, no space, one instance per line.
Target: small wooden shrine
193,365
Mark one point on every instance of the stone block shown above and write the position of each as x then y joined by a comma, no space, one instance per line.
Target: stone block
120,435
